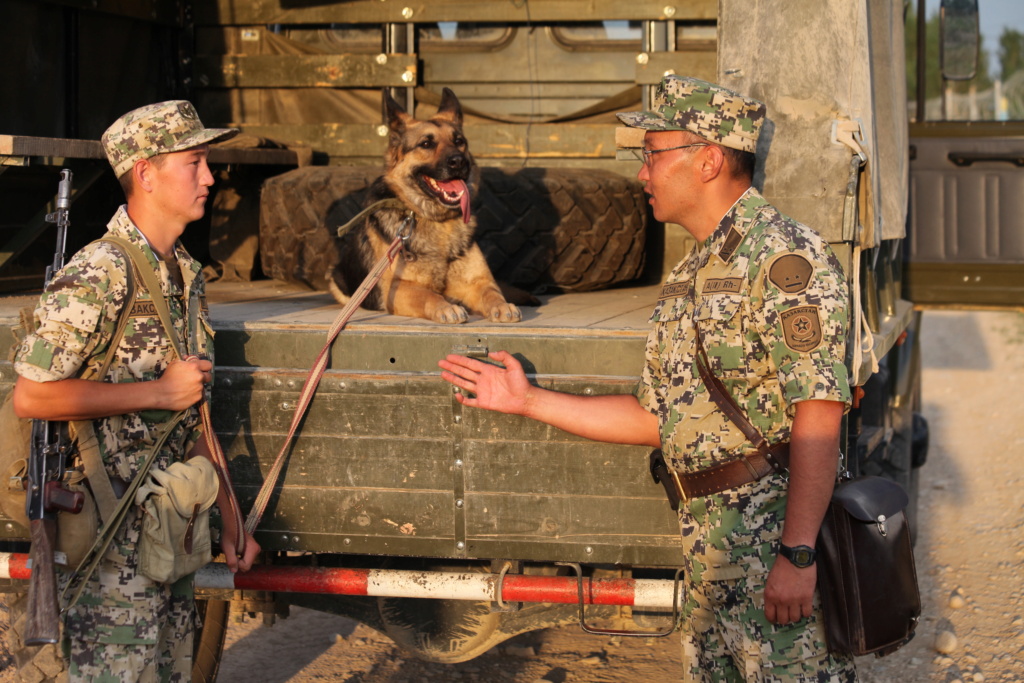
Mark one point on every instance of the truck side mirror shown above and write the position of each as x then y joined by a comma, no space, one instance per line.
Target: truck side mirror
959,39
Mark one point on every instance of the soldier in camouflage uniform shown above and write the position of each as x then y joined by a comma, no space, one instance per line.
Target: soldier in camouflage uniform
770,301
126,626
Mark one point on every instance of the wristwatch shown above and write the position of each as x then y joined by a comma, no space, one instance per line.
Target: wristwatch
801,556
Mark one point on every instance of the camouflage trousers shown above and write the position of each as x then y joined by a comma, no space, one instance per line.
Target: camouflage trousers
726,637
126,627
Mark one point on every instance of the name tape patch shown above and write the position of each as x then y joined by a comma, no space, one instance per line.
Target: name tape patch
143,309
673,290
723,284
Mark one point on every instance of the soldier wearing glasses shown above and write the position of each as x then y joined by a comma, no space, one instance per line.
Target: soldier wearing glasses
770,301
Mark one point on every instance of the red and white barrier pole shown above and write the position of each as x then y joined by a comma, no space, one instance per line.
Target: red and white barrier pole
397,583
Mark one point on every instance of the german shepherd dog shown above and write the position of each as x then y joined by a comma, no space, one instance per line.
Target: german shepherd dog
441,272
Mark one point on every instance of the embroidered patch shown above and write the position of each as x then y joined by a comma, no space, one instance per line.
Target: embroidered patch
801,327
143,309
674,290
791,273
732,241
724,284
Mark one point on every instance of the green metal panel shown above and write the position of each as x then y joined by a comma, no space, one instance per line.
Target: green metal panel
504,140
391,11
651,67
306,71
391,464
972,285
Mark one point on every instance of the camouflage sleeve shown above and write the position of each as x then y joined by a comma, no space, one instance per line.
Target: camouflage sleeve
75,318
802,322
650,378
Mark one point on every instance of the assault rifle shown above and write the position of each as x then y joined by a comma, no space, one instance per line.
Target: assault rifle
46,494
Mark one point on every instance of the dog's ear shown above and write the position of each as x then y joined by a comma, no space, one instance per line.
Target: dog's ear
450,107
394,113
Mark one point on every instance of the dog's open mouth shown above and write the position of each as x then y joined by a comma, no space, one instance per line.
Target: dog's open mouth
452,193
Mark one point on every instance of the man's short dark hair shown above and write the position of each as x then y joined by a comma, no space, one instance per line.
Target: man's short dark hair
741,164
126,182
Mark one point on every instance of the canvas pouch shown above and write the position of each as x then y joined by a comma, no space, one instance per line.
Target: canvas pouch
175,505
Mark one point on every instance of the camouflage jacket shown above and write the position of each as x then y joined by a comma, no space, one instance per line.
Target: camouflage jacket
770,298
76,320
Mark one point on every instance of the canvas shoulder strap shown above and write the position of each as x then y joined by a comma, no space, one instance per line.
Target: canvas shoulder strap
219,460
83,430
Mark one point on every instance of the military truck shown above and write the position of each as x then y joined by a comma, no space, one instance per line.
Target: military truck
916,191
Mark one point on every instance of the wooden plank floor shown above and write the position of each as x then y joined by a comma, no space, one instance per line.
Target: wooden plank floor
272,303
269,304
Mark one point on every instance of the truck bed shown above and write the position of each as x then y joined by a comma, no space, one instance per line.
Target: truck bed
389,463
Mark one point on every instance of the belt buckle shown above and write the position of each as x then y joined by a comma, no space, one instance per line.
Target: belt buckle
683,498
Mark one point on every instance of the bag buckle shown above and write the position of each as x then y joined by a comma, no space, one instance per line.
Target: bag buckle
880,523
187,544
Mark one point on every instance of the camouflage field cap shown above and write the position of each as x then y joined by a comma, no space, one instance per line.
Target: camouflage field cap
708,110
158,128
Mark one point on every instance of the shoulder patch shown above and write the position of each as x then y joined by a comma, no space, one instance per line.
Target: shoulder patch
801,327
732,241
791,273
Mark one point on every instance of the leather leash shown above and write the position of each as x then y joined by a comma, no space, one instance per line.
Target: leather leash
320,364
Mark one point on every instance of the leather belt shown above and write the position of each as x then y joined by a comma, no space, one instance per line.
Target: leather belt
745,469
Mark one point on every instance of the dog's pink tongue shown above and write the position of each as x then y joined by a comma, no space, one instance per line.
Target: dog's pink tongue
458,187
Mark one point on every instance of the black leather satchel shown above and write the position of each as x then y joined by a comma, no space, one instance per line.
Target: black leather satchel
866,572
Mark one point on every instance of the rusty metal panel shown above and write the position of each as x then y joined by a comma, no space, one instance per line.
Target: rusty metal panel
306,71
389,11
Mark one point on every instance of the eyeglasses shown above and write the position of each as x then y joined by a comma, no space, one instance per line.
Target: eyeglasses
645,155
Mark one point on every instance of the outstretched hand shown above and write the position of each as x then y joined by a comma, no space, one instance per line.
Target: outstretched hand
503,388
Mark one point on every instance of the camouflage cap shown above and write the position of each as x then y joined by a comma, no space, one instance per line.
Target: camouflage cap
708,110
159,128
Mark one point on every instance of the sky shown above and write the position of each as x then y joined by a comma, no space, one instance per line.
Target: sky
994,15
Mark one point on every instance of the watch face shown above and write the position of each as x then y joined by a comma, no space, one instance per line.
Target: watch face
802,558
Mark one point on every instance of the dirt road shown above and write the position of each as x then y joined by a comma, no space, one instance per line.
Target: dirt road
970,554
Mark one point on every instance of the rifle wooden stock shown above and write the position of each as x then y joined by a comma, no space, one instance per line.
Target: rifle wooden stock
42,623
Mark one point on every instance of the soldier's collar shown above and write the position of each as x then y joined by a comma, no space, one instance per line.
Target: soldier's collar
729,234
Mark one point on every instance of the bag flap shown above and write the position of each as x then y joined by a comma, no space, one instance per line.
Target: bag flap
865,498
185,484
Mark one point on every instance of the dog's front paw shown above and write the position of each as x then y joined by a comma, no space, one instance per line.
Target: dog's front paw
450,314
505,313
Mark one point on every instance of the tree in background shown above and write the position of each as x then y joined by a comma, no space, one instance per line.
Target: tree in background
977,91
1011,53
